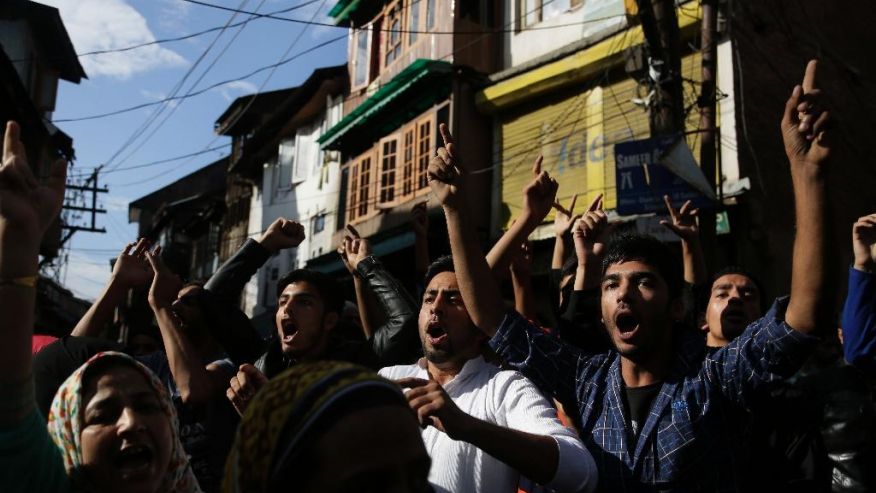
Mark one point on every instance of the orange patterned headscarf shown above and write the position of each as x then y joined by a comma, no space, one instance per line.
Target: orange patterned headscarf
66,420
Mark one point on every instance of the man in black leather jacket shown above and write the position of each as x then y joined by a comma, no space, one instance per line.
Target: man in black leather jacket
309,311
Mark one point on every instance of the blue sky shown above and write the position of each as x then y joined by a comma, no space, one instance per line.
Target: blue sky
148,74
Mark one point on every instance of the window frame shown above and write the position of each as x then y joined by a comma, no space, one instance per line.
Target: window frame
392,181
413,21
368,31
291,144
392,13
360,188
423,150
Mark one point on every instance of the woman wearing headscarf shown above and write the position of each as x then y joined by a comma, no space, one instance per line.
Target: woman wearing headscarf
328,427
116,428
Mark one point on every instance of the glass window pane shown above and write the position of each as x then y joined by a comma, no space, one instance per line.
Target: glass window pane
430,14
413,20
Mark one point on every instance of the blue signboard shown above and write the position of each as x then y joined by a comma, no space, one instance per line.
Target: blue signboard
642,180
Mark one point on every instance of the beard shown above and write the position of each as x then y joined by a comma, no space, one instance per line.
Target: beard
438,356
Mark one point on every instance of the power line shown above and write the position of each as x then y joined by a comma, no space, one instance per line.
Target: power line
174,91
406,31
264,83
208,88
173,39
315,47
173,108
260,89
155,163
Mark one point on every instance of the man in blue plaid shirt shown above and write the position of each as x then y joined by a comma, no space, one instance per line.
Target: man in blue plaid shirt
650,410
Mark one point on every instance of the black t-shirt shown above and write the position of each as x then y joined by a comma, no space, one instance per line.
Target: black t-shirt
639,404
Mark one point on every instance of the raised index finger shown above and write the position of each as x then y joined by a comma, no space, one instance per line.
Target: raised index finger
445,134
669,206
536,167
595,204
353,231
809,77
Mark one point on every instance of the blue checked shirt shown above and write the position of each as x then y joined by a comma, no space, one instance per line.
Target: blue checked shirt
692,439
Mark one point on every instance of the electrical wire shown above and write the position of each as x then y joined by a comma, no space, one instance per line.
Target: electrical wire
172,39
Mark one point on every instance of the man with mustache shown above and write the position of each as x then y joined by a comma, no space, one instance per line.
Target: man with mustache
485,429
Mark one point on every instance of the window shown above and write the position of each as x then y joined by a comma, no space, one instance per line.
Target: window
532,12
360,199
430,14
388,159
413,20
408,156
424,150
307,152
318,224
342,199
285,162
361,56
393,34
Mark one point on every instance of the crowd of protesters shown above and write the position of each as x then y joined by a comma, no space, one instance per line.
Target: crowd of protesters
653,376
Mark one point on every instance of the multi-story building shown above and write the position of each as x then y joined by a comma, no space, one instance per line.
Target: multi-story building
36,53
278,169
413,65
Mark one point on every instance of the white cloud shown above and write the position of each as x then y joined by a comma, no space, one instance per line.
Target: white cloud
240,86
173,15
108,24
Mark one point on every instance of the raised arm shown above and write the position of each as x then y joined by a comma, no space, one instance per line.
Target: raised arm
395,341
499,257
804,131
131,270
352,246
228,281
590,234
480,292
683,222
29,459
27,208
521,282
779,343
195,382
859,311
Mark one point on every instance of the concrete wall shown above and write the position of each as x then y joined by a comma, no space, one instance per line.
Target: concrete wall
774,39
593,20
313,190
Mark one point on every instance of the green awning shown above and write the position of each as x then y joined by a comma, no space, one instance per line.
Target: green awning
342,10
364,12
408,94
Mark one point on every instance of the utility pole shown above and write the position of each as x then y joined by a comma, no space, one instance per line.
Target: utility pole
662,38
708,134
79,204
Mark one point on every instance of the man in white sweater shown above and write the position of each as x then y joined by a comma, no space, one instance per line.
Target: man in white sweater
486,430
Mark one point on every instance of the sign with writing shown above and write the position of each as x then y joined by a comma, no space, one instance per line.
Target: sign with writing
642,179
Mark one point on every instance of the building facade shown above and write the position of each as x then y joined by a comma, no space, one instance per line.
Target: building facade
413,64
280,167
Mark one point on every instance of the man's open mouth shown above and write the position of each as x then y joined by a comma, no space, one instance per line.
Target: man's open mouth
627,324
435,333
288,330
